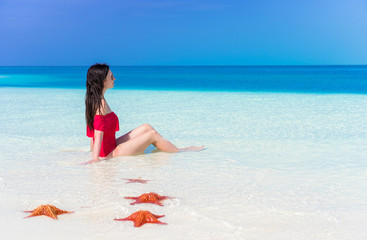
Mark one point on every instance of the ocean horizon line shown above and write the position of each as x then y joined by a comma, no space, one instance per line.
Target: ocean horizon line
249,65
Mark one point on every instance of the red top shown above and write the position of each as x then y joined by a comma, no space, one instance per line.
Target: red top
109,125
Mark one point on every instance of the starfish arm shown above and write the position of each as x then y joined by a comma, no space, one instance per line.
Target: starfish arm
49,212
37,212
159,222
130,218
52,215
31,211
153,219
139,219
59,211
63,212
36,209
135,198
121,219
138,224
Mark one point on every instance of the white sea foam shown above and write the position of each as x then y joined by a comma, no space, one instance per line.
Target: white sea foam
277,166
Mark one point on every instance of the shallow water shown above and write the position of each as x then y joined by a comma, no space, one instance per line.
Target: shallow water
277,166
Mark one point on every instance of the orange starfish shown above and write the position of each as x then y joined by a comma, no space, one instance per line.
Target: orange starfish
48,210
142,217
139,180
149,198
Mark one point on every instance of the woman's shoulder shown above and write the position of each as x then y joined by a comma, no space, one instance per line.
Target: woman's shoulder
104,109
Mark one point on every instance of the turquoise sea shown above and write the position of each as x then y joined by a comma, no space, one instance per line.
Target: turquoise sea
309,79
285,159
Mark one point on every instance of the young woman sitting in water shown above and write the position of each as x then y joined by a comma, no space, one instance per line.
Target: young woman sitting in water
102,123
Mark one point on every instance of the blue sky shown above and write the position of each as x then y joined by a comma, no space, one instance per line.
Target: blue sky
178,32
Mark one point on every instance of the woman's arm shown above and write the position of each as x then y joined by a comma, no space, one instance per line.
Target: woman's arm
98,137
96,147
91,144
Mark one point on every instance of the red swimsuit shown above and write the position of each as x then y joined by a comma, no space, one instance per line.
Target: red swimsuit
109,125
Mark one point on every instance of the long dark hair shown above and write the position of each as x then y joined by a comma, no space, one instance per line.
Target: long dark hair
96,75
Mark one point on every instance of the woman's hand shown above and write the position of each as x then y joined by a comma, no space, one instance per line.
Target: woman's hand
98,136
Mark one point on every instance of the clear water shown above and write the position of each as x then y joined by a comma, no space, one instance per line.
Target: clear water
278,165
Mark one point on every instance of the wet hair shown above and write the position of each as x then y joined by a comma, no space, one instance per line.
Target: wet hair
96,75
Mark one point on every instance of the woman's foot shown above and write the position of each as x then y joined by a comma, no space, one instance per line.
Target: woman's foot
192,149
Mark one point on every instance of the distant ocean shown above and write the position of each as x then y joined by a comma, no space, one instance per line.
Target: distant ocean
312,79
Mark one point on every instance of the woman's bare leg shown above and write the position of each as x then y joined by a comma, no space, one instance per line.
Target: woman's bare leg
141,130
140,142
137,140
134,133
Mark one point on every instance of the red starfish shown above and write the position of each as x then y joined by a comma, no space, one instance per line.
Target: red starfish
139,180
142,217
48,210
149,198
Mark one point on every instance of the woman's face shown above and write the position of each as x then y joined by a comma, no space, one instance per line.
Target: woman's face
109,82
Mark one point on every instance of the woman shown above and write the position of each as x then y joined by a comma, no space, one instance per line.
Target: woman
102,123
